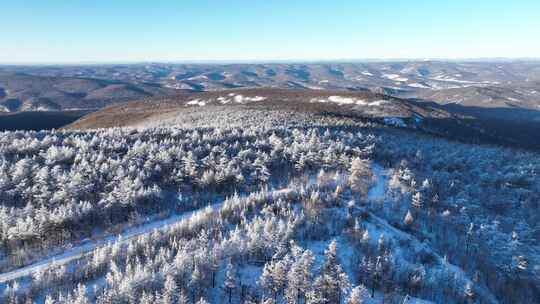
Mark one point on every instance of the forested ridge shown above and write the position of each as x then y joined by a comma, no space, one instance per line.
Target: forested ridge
312,212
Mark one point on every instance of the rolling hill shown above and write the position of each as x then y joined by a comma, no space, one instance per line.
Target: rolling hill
279,106
22,92
171,110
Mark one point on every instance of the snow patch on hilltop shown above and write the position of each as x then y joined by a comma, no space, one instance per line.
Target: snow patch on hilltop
345,100
395,77
231,98
446,78
341,100
241,99
196,102
378,103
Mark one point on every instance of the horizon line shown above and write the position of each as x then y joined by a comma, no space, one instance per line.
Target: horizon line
267,61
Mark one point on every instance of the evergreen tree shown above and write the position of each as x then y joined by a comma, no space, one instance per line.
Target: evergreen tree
274,277
358,295
359,171
468,292
147,298
299,278
170,290
231,279
417,200
409,219
80,295
202,301
333,281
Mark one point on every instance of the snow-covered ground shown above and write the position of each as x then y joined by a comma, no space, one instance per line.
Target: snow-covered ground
377,191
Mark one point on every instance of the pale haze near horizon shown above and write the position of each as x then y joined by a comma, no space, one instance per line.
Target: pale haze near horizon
64,31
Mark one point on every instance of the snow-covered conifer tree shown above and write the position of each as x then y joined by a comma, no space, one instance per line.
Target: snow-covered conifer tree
358,295
231,280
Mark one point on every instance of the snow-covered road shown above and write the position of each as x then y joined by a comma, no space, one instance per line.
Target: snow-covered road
87,247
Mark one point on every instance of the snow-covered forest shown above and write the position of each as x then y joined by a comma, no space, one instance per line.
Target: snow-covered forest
329,213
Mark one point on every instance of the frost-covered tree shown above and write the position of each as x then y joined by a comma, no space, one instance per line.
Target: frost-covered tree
170,290
231,280
49,299
274,277
147,298
468,292
409,219
359,171
417,200
299,277
196,281
333,282
202,301
79,295
358,295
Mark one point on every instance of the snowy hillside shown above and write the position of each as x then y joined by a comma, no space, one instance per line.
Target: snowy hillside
298,209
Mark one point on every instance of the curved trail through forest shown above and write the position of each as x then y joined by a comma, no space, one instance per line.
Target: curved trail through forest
377,191
80,250
131,233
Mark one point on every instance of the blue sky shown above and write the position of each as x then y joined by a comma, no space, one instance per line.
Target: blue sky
57,31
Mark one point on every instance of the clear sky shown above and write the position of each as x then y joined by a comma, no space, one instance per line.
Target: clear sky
64,31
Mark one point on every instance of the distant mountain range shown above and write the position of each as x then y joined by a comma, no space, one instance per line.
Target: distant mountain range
500,97
498,83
